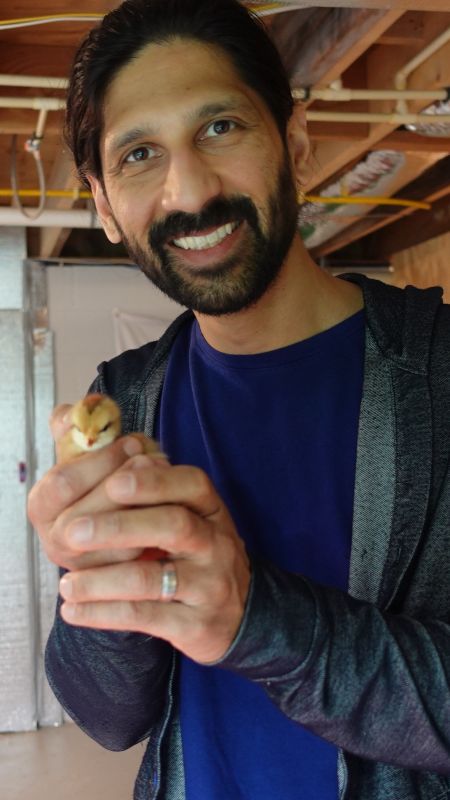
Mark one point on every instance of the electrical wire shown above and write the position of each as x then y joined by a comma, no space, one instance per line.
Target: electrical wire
262,9
367,201
267,9
34,149
25,22
76,194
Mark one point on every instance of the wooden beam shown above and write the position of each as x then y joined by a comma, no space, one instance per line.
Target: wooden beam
23,122
40,59
62,177
338,131
381,66
409,142
407,233
319,46
408,30
433,184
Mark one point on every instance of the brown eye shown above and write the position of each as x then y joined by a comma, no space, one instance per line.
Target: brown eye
140,154
219,127
106,427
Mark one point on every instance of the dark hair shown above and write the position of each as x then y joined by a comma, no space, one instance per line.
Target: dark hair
136,23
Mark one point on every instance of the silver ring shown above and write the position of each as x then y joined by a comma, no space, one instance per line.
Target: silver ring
169,582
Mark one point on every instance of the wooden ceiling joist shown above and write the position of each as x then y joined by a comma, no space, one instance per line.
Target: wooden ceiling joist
62,177
407,233
382,64
430,186
320,45
408,142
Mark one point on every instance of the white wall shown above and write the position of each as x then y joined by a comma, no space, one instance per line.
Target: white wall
81,300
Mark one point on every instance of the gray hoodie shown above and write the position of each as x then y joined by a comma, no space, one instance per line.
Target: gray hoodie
368,670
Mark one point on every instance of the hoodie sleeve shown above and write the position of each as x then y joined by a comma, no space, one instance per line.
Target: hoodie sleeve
375,684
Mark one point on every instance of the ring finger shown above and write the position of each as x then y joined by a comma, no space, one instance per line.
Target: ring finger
131,581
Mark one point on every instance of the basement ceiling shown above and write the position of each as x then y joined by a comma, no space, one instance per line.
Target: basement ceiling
364,153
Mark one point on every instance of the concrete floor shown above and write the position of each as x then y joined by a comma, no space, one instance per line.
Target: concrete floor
64,764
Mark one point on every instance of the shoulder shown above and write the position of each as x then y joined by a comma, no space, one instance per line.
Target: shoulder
134,378
131,369
406,323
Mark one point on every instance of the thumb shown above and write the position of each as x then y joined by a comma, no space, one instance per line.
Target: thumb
60,420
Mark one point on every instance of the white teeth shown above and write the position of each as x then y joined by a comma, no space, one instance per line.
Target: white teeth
203,242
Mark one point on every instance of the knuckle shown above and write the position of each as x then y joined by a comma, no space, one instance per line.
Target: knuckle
59,485
181,524
139,581
112,457
178,519
46,495
135,612
58,417
201,483
112,522
34,502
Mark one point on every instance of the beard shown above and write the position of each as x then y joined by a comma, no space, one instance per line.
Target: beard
238,281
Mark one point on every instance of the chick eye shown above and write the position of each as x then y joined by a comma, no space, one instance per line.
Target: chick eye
139,154
219,127
108,425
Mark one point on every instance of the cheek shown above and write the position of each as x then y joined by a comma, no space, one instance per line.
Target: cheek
134,209
254,172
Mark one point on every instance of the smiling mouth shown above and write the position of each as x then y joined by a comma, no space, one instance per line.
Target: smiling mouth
207,241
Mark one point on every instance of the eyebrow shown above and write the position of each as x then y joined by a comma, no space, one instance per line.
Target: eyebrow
129,137
198,115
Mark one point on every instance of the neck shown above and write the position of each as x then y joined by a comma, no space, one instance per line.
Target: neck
303,301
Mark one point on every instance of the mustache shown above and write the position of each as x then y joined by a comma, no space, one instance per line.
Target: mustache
216,213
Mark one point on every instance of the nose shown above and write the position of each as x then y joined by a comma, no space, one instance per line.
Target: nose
190,183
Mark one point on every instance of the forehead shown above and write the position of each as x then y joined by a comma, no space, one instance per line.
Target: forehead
172,80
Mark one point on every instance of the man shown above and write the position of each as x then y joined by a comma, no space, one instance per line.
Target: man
295,641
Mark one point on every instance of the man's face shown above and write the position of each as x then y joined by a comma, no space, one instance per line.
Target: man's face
198,183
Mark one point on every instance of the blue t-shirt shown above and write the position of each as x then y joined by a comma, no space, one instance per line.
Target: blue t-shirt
277,433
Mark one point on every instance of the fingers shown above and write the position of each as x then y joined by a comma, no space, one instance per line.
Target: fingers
65,484
171,528
76,488
201,621
155,484
151,618
142,580
139,581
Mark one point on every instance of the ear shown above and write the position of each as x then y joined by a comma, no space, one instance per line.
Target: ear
104,210
298,144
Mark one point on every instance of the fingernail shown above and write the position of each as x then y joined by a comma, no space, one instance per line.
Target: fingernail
82,530
70,610
122,485
132,446
65,587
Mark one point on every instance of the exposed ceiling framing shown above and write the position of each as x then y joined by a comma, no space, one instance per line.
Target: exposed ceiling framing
358,45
